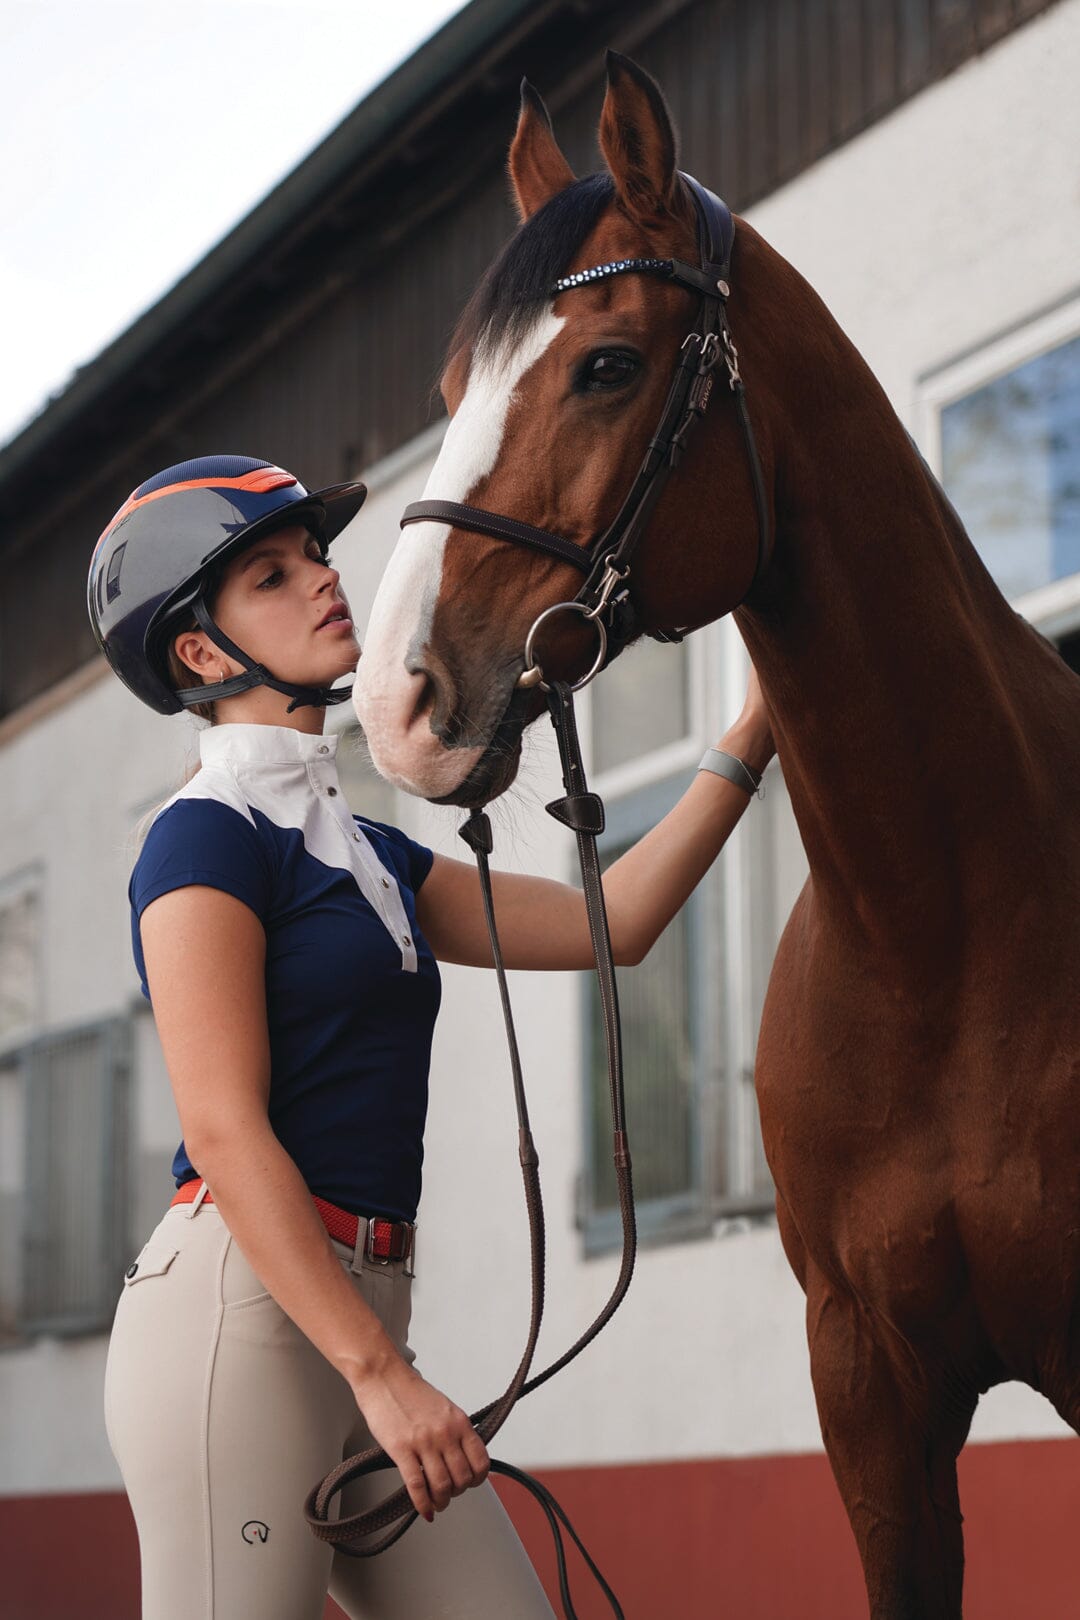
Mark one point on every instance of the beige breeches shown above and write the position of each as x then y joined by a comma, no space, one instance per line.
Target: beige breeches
222,1416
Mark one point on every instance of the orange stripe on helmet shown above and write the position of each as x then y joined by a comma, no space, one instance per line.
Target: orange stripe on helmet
259,482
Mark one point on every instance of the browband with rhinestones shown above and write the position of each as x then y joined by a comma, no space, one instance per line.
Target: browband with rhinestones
617,267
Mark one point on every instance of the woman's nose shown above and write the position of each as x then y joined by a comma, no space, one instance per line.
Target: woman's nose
327,575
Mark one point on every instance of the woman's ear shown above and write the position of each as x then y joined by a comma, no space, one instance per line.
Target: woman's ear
638,142
538,170
194,650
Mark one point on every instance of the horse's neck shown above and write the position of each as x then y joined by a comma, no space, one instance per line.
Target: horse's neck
909,700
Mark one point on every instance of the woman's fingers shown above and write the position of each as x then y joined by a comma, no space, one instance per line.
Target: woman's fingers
437,1451
455,1463
414,1481
477,1454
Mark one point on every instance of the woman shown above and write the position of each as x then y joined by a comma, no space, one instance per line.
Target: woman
289,950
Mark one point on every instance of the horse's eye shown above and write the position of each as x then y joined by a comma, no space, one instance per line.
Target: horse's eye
610,368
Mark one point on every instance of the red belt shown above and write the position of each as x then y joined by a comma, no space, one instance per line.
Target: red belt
384,1241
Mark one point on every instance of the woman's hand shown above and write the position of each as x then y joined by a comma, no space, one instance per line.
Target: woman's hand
435,1448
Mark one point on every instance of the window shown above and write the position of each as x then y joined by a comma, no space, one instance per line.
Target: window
1010,459
1002,429
641,704
366,792
20,955
671,1007
690,1011
66,1092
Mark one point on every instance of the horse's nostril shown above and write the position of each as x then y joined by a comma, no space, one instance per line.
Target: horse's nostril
425,698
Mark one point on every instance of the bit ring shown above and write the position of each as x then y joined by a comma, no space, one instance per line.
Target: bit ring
533,675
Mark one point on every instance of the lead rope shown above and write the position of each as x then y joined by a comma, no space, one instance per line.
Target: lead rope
583,812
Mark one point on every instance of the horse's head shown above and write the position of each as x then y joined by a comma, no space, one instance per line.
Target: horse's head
553,399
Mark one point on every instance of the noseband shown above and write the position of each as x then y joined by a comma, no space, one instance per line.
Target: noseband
604,598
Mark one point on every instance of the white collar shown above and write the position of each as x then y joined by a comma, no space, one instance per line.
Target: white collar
241,743
291,777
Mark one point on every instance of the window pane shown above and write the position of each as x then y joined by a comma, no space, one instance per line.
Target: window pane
19,956
366,792
640,703
1011,465
74,1247
659,1070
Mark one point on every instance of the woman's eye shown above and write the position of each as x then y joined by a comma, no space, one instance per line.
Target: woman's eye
271,579
611,368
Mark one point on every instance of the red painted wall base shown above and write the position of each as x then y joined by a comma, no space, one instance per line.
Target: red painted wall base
760,1538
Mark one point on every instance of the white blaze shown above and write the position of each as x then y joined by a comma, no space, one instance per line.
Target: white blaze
385,694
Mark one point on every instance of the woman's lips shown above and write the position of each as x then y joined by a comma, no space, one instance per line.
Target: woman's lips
336,624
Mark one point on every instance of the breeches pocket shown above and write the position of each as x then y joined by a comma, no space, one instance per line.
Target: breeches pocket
241,1287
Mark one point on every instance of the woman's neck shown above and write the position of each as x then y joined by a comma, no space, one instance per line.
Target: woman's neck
262,706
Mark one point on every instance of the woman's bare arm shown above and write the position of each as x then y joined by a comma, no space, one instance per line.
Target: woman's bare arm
205,962
542,923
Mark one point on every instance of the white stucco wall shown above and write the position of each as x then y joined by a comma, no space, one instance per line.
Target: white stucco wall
952,219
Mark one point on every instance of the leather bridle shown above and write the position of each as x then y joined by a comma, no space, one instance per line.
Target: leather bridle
605,599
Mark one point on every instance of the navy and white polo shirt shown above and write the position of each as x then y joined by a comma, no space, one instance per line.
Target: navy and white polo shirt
352,987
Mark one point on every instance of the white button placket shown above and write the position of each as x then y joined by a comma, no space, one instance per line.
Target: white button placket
377,886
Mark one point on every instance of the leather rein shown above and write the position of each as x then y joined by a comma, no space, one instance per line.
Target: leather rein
605,601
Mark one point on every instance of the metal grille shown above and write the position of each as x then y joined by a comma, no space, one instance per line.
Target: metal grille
76,1092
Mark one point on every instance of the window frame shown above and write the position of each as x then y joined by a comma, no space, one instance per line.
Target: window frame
113,1176
726,943
686,1214
1053,609
29,879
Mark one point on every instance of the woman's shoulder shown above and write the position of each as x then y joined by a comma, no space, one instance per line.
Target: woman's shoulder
206,833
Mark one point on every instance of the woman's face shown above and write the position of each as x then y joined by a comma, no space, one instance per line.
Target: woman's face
284,606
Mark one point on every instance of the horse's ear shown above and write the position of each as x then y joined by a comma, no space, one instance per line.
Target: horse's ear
638,141
538,170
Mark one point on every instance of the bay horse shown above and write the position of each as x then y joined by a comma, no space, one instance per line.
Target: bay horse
918,1068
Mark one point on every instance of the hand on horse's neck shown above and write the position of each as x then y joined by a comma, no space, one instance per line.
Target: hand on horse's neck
908,699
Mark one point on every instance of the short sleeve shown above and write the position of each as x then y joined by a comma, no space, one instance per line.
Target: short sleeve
410,860
201,841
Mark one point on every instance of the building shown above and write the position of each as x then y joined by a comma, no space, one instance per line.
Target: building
916,162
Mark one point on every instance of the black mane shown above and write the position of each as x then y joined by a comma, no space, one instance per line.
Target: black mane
518,284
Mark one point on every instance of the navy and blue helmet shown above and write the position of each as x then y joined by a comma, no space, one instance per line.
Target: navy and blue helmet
155,557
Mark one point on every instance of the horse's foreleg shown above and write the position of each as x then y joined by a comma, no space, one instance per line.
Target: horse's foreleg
896,1473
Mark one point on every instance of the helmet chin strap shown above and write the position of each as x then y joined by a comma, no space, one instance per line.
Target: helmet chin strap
318,697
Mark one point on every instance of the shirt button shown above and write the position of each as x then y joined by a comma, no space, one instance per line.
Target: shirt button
385,882
357,837
132,1269
322,749
405,940
332,792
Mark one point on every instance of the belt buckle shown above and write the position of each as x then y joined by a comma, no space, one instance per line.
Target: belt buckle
372,1258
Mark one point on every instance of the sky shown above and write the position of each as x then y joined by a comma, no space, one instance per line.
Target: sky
136,133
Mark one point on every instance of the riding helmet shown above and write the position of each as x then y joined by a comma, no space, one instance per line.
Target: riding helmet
156,557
